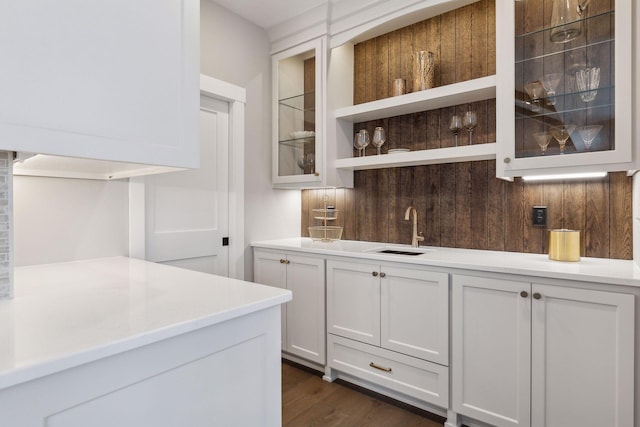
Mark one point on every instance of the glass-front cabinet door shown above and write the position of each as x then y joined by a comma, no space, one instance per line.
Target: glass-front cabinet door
564,91
298,112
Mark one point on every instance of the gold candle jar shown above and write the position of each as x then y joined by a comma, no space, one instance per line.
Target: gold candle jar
564,245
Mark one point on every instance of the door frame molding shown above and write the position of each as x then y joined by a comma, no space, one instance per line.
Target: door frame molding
235,96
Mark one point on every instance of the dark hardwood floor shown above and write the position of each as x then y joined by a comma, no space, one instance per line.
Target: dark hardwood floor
307,400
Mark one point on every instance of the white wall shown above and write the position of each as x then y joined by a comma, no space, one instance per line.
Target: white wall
235,50
58,219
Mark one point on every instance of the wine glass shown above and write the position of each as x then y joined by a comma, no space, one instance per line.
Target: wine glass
357,143
534,90
587,81
588,134
550,83
379,138
470,122
561,134
302,163
311,162
456,126
364,139
543,139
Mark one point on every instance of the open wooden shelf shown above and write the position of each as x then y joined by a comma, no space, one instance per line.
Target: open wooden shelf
464,153
425,100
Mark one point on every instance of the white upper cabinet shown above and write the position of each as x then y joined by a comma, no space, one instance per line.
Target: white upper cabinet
564,92
115,80
298,116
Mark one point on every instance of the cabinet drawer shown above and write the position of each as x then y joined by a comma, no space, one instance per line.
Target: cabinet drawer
414,377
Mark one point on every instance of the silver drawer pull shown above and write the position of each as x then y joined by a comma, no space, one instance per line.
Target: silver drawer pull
373,365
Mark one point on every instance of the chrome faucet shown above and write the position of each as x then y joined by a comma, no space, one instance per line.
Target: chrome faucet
416,237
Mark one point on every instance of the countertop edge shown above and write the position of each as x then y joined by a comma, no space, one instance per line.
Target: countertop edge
560,271
40,369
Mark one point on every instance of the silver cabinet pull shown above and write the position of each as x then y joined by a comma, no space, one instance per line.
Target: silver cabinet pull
375,274
382,368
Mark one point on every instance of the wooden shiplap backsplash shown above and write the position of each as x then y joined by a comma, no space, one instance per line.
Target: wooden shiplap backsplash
464,205
461,205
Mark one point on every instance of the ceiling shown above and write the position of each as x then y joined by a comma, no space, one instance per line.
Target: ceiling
267,13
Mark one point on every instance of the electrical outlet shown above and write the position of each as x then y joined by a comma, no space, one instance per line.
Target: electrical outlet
539,216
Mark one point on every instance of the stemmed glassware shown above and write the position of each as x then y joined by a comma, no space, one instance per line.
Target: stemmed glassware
365,139
456,126
587,82
379,138
588,134
356,144
534,90
307,163
311,162
543,139
470,122
550,83
561,134
361,141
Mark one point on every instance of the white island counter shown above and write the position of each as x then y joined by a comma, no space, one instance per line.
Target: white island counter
118,341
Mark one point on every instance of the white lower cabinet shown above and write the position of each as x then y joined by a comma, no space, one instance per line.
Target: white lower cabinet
527,354
388,324
303,318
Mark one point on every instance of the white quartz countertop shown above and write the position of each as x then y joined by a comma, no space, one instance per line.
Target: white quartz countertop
598,270
67,314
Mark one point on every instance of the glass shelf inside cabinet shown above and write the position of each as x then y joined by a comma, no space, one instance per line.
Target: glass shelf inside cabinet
564,91
303,102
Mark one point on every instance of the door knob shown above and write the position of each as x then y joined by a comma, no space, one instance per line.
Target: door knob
282,261
375,274
537,296
383,275
524,294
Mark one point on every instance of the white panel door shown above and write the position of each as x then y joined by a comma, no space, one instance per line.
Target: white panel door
491,346
414,315
353,301
270,268
582,361
305,321
187,211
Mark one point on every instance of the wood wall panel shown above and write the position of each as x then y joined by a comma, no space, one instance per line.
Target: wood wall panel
597,218
496,203
463,205
514,216
479,205
620,222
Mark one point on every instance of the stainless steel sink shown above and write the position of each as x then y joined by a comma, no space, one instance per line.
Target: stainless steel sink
394,250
